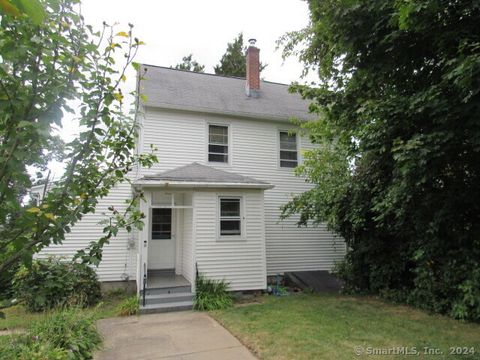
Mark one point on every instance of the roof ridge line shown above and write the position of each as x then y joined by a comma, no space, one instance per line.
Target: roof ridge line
194,72
210,74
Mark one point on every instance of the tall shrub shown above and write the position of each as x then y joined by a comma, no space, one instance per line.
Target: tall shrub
52,283
398,163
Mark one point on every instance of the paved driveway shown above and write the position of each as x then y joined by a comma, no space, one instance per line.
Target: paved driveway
182,335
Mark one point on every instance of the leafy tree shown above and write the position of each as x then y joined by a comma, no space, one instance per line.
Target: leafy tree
44,66
190,65
397,168
31,8
233,62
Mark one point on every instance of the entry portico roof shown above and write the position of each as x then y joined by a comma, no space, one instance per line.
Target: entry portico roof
198,175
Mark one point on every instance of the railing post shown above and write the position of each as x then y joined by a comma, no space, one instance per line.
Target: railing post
144,282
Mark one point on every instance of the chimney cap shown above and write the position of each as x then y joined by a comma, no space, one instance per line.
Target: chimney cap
252,41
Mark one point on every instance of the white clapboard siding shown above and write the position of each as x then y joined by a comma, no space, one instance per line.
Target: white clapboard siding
119,256
181,138
240,262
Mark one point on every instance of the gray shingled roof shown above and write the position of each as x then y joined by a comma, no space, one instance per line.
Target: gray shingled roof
197,173
208,93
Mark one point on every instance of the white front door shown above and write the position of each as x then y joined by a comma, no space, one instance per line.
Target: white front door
161,247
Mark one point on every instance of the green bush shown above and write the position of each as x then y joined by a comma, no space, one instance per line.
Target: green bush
30,348
50,283
129,306
211,294
6,281
69,329
64,334
398,171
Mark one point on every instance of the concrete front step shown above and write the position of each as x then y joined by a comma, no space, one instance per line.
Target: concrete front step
161,272
168,298
167,290
166,307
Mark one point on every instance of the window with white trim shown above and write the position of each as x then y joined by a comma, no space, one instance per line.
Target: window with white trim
218,143
288,150
230,216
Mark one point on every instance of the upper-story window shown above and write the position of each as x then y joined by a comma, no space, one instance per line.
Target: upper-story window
288,150
218,143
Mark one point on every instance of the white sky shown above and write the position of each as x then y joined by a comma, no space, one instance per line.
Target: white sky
172,29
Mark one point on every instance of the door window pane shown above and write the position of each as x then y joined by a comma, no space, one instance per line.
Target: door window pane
161,224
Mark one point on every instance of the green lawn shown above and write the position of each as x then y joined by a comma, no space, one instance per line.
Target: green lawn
333,327
16,317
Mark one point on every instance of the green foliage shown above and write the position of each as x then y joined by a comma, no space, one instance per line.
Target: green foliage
398,161
33,9
64,334
69,329
211,294
18,317
52,283
29,348
44,67
233,62
129,306
190,65
6,283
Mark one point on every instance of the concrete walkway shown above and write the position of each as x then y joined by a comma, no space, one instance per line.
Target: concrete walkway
185,335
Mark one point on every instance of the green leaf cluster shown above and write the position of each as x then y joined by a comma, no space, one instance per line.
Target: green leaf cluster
233,62
33,9
397,167
188,64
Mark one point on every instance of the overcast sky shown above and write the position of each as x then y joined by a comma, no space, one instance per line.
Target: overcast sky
174,28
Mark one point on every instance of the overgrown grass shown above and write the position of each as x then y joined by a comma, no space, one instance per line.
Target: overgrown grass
330,327
211,294
129,306
68,333
17,317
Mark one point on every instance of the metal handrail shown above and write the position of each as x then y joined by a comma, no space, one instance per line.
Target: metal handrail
144,282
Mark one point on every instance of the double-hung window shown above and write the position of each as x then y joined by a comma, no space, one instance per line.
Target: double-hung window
230,216
288,150
218,143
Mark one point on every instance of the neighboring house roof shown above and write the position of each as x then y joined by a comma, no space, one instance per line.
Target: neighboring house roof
208,93
197,175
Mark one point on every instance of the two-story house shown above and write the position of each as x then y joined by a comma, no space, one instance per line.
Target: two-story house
227,150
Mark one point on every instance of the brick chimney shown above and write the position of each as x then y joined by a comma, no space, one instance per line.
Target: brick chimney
252,87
